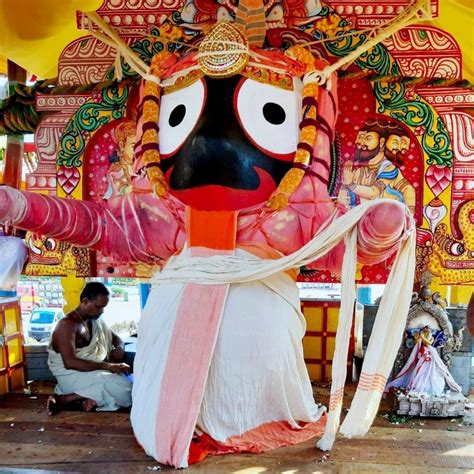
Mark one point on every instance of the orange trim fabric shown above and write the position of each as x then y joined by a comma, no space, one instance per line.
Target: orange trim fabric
266,437
264,251
369,382
336,398
212,229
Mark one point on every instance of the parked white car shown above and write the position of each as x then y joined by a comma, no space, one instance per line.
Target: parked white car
43,321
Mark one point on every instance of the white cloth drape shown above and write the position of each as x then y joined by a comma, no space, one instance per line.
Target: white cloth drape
257,373
12,258
389,323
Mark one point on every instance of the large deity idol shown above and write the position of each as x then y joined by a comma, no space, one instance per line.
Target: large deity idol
230,180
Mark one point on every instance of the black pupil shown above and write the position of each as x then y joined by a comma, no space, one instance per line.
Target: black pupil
177,115
274,113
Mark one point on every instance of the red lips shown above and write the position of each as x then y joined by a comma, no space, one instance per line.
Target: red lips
214,197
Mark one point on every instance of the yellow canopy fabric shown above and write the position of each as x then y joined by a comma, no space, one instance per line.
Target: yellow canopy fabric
457,18
34,32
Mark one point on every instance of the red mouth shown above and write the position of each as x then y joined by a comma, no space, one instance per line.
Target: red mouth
214,197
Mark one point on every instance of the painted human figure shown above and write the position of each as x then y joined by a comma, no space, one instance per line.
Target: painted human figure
380,150
120,174
424,371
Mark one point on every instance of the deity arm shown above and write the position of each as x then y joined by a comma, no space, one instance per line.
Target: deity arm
129,229
379,236
380,232
73,221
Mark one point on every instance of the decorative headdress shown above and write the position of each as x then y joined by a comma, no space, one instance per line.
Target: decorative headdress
227,49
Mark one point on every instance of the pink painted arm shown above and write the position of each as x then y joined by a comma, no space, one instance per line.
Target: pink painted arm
379,236
133,228
76,222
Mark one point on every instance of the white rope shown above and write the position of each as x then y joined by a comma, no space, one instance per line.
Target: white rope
110,37
171,80
233,269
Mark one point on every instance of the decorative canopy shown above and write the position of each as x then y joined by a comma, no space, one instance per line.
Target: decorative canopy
33,34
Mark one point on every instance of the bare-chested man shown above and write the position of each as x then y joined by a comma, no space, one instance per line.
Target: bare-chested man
86,357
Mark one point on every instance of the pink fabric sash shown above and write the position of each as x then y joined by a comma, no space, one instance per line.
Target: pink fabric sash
193,340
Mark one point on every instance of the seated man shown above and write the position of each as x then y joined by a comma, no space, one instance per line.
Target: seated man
86,358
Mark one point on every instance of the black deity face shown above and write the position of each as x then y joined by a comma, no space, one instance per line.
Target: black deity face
226,144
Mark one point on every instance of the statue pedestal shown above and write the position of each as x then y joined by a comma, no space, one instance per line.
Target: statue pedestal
446,406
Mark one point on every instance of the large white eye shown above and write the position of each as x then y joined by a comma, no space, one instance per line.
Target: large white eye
269,115
179,114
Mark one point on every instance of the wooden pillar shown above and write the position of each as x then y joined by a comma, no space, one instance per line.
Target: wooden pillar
13,161
14,152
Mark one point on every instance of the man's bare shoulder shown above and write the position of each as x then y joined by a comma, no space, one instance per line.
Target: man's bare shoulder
68,323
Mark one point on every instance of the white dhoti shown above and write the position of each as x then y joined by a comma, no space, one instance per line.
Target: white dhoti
257,373
219,349
109,391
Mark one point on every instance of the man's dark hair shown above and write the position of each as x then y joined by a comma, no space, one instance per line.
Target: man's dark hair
384,128
93,289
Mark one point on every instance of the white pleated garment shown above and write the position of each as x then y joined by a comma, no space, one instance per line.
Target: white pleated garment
389,324
257,372
13,255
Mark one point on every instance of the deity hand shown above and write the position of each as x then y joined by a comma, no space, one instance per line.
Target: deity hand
380,231
347,173
427,339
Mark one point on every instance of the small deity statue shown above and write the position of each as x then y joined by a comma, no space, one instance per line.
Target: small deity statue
424,372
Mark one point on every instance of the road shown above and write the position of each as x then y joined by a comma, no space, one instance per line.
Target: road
117,311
